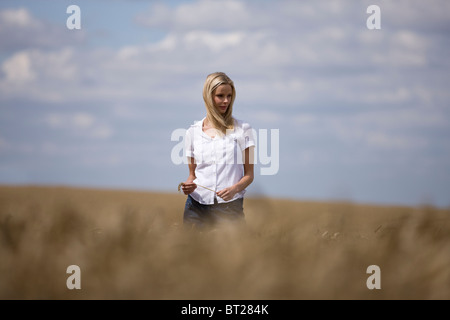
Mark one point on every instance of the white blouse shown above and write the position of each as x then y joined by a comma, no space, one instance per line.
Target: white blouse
219,160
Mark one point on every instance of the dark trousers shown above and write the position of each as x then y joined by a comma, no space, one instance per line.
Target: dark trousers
201,215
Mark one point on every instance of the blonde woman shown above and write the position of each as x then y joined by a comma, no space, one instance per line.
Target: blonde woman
219,150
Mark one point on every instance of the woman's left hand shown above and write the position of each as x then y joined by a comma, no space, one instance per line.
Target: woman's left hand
227,193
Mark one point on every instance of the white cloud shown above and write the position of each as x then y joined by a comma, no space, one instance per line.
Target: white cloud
425,16
387,129
202,14
102,132
388,141
18,69
18,18
408,40
215,42
83,120
20,30
192,48
79,124
398,130
404,48
55,120
304,119
410,118
267,117
395,95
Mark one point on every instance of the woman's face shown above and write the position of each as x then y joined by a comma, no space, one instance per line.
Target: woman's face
222,97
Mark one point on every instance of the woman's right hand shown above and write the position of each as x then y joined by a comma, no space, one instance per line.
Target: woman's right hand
188,187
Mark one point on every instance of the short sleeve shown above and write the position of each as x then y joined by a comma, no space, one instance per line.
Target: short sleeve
189,143
247,138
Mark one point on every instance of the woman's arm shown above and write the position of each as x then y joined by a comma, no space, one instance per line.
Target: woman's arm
228,193
189,186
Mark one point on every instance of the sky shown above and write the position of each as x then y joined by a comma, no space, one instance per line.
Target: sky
350,112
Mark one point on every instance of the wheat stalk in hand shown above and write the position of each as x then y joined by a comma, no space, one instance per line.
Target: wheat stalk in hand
182,184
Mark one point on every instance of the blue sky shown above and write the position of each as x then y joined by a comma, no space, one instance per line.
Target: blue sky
363,115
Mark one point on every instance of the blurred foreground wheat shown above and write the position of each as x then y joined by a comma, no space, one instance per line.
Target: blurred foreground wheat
131,245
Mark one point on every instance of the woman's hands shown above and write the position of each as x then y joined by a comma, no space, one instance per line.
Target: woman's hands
227,193
188,187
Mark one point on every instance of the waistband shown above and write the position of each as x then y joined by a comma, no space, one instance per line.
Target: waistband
217,204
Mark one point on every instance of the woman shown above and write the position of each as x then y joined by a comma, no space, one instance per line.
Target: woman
220,151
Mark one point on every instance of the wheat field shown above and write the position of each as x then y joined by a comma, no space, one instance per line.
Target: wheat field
132,245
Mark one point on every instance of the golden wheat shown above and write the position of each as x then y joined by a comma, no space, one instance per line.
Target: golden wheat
131,245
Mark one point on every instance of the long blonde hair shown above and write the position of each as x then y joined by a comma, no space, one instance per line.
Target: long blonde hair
218,121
